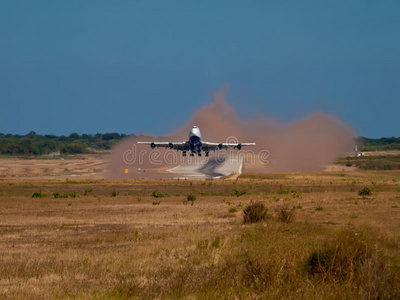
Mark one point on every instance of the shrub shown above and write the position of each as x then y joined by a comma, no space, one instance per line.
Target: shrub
156,202
202,244
87,192
282,191
319,208
191,197
253,213
365,192
229,202
38,195
114,193
238,193
295,194
58,195
232,210
216,242
157,194
65,195
286,215
340,259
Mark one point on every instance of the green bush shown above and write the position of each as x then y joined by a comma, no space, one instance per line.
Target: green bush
233,210
365,192
253,213
238,193
157,194
58,195
191,198
294,193
38,195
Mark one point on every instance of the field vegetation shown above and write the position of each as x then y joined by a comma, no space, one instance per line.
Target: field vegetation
286,236
380,162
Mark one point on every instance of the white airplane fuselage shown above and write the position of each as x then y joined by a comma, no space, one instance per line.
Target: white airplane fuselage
195,144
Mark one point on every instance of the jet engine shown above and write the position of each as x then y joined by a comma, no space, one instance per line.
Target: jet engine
152,145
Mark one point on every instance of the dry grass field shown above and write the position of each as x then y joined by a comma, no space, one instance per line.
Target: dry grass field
106,239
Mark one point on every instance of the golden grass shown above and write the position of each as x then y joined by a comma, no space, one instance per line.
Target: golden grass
99,246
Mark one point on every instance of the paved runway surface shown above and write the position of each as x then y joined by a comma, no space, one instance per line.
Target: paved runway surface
209,169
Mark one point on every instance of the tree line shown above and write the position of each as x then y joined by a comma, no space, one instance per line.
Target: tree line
36,144
381,144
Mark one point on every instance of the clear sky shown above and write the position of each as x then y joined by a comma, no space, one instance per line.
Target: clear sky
146,66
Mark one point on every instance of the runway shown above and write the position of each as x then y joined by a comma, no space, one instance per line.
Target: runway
209,169
186,168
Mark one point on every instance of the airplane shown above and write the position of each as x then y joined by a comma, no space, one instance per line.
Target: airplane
196,145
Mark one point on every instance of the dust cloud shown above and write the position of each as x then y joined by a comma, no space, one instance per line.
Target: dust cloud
299,146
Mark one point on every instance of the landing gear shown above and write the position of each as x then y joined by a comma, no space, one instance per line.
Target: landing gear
191,154
199,154
184,153
207,153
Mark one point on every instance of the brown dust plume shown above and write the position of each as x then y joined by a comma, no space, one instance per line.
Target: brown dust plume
303,145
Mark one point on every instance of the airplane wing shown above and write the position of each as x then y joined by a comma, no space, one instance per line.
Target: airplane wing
184,146
218,146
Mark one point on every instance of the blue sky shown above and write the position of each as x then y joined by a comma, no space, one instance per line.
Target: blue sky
147,66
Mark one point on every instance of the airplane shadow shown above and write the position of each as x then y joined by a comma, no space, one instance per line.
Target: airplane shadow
210,168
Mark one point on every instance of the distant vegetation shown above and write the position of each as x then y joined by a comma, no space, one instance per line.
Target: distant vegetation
381,144
36,144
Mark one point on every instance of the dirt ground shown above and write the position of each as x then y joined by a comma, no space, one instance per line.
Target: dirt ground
57,167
